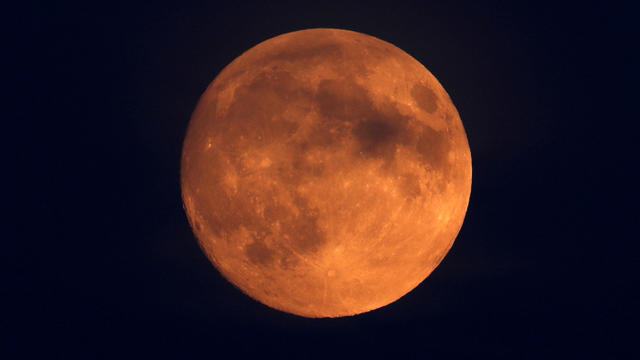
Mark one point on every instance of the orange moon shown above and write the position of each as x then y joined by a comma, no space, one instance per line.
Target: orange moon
325,173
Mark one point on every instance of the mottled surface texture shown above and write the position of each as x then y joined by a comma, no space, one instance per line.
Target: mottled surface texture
326,173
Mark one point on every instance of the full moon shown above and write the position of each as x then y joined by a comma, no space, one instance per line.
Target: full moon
325,173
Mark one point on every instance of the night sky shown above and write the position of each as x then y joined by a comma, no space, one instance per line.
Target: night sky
102,260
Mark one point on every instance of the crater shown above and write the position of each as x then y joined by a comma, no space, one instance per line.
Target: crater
307,168
376,125
433,147
297,230
287,259
288,176
258,253
257,107
410,186
342,100
426,99
304,231
375,136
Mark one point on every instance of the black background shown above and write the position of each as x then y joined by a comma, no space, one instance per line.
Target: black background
103,263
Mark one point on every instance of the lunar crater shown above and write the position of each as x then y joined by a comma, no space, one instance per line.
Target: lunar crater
376,137
426,99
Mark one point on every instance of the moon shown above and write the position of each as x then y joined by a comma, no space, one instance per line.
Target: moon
325,173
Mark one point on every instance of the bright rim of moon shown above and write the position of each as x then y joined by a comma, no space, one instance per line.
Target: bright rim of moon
325,173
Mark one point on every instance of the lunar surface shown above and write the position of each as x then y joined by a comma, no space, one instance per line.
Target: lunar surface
325,173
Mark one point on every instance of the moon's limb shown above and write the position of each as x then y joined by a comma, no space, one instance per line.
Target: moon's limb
326,173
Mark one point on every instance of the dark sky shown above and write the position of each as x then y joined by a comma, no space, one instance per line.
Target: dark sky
103,263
